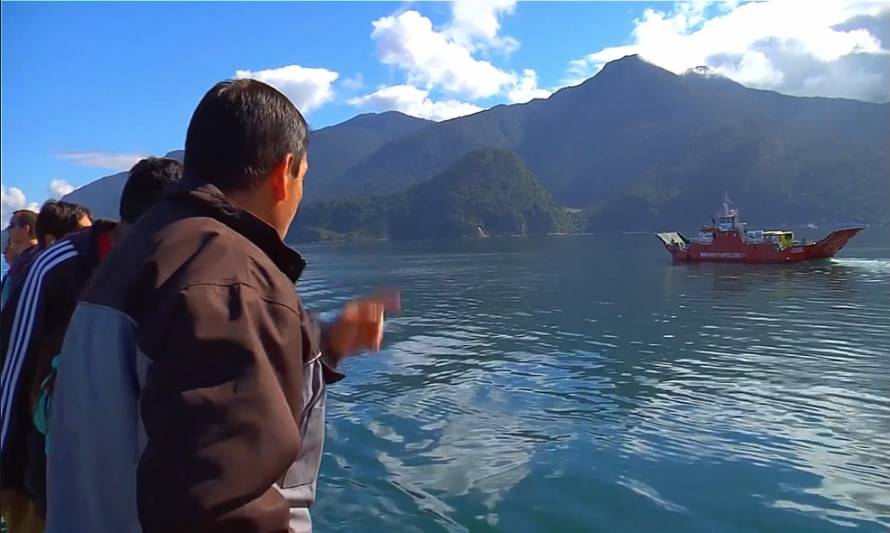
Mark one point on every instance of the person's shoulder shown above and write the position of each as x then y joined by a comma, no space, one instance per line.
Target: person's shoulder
46,276
23,260
50,262
27,255
212,253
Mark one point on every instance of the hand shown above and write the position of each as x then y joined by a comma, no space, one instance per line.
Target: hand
360,324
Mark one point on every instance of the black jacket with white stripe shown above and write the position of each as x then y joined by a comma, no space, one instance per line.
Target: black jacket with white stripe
33,325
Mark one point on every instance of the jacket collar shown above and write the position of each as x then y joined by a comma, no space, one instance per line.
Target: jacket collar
214,204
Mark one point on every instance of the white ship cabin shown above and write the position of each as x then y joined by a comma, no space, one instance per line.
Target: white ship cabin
727,226
754,236
725,222
729,220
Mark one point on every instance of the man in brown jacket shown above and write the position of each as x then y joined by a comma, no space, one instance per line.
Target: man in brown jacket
190,392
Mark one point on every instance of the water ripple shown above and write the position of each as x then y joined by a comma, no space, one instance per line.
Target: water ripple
533,385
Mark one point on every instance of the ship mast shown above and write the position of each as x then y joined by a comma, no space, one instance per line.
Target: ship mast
728,220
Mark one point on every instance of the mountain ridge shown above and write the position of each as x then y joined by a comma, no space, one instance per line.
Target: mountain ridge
637,146
636,130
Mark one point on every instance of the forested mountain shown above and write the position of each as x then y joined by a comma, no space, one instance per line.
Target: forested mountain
634,147
487,192
638,147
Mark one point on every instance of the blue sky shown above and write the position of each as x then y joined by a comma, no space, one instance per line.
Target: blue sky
88,87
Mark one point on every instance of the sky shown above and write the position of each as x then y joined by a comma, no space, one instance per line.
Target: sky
90,88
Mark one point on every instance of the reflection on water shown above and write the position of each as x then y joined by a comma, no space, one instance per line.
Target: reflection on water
587,383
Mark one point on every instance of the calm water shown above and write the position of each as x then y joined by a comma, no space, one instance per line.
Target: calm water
586,383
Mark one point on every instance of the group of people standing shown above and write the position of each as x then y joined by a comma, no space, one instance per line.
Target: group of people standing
30,232
161,373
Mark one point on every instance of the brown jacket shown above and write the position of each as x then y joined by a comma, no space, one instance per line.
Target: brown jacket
191,384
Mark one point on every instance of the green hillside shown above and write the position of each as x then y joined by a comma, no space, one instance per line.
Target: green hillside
487,192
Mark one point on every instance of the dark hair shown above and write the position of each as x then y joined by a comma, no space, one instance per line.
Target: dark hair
240,130
24,217
58,218
148,182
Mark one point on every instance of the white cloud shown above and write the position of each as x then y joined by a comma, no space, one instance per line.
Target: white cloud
475,24
526,88
307,88
106,160
442,59
12,199
433,58
59,188
802,48
353,83
415,102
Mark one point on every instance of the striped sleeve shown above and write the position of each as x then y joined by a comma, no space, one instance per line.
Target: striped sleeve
29,307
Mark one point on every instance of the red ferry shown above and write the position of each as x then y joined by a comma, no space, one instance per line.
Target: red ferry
727,240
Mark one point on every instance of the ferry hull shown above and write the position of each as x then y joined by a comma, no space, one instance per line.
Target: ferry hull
731,248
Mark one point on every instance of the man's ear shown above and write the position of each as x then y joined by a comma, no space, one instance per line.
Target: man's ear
280,175
303,167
